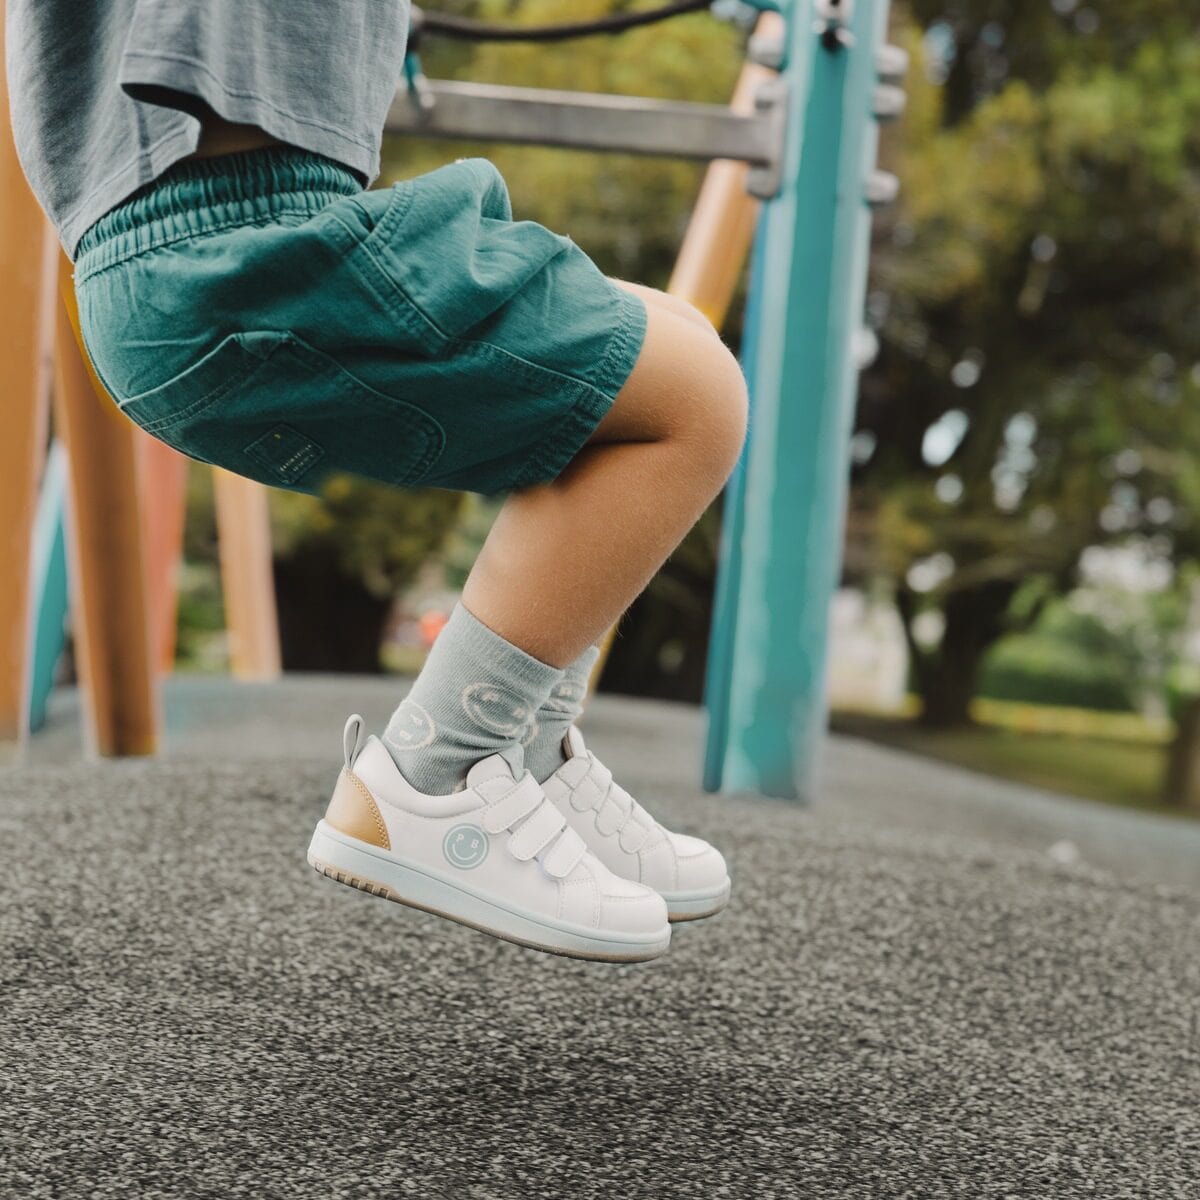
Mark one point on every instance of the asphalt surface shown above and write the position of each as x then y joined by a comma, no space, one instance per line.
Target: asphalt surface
928,985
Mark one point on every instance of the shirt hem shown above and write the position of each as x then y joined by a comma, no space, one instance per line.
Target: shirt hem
118,187
181,73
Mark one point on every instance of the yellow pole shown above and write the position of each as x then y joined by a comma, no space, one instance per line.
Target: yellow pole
110,604
26,327
244,544
719,234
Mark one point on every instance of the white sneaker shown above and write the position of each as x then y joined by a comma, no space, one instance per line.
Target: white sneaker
688,873
496,856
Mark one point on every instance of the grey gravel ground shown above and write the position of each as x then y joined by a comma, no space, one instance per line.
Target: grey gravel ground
918,992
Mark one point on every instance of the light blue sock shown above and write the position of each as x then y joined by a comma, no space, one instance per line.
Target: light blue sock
476,695
559,711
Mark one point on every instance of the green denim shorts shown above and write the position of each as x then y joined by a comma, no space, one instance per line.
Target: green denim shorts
262,313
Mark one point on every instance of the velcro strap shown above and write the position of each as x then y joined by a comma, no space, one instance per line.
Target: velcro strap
633,837
610,816
536,834
512,806
563,857
600,775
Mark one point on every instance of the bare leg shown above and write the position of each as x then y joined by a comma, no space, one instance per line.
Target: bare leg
563,561
665,300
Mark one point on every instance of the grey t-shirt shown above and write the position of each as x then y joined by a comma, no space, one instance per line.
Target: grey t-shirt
106,94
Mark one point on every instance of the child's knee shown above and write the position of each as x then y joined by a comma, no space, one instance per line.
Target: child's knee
686,389
719,402
681,308
664,300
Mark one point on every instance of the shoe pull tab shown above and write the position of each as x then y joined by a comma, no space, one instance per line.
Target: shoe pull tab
352,738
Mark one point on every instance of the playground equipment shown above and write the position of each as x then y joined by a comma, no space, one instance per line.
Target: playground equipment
782,536
798,140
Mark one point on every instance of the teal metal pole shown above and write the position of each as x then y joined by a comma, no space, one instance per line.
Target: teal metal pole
719,668
782,553
48,579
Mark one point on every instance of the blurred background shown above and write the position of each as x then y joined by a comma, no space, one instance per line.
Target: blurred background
1021,592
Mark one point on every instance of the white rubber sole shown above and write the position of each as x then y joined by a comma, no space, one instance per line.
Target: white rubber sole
694,906
381,873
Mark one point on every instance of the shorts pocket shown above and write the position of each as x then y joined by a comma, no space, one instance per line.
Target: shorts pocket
270,406
447,250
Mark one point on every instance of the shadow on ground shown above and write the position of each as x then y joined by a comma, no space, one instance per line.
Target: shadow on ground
908,998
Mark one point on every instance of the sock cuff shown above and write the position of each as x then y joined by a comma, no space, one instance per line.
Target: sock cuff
585,662
475,638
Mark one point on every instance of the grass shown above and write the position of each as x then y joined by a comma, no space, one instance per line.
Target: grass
1114,758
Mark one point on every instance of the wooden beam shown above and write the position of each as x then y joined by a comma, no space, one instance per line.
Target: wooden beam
26,330
244,544
110,599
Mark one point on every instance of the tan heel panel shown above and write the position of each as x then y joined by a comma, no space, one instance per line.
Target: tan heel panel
352,810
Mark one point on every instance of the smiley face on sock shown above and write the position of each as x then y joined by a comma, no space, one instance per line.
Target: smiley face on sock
568,695
411,728
495,709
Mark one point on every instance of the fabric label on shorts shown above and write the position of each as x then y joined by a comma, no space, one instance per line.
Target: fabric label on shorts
285,452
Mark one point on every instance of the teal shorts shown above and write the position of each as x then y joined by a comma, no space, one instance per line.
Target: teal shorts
262,313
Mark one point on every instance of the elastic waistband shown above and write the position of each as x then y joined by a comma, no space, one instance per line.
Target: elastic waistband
205,195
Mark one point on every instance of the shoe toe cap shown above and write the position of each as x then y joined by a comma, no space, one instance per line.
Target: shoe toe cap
698,865
631,907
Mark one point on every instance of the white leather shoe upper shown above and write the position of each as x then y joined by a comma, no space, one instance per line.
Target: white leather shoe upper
500,838
623,835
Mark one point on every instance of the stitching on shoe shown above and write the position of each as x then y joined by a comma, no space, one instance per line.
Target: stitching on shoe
372,808
591,884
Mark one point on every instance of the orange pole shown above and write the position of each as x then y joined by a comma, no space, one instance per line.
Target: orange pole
719,234
110,602
26,327
721,229
164,490
244,545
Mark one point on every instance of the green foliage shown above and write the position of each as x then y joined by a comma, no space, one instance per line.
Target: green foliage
1038,276
200,619
1102,647
1038,669
374,534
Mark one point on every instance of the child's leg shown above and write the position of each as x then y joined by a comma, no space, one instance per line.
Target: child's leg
545,751
564,560
674,304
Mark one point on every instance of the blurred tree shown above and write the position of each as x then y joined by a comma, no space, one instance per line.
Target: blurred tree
340,559
1035,292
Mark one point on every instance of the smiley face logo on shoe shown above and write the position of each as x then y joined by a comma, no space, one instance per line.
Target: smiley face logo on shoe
465,846
495,709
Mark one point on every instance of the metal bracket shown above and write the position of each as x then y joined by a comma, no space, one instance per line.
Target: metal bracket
592,121
832,24
881,187
770,104
767,50
891,63
888,101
